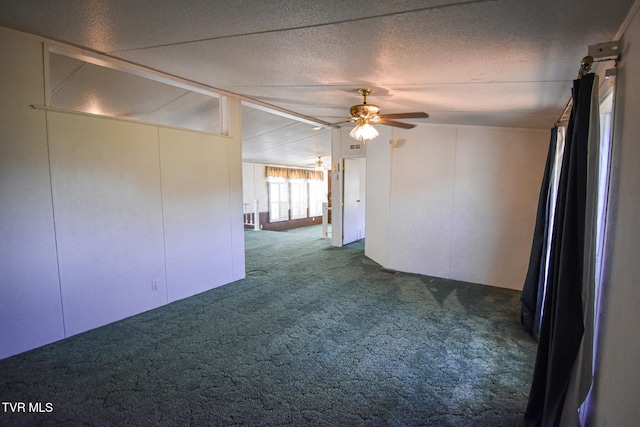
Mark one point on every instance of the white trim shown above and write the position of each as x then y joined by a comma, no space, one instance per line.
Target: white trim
46,65
635,8
108,61
113,63
259,105
121,119
225,116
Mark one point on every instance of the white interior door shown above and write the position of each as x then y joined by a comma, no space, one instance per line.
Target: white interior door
354,172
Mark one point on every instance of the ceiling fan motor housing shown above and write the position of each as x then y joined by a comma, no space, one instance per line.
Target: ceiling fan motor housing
365,111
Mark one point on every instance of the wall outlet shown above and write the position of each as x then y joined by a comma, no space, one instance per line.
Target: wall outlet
154,285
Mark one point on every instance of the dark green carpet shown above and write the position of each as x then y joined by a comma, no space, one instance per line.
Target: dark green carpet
314,335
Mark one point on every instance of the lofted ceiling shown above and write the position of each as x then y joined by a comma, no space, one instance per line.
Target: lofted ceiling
503,63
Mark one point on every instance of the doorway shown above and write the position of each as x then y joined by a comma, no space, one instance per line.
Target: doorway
353,209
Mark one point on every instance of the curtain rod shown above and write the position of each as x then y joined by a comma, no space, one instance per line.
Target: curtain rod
585,68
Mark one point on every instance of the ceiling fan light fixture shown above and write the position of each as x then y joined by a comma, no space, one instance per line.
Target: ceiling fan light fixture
363,131
367,114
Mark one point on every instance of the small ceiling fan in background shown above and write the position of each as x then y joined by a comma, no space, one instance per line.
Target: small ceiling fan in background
366,115
318,164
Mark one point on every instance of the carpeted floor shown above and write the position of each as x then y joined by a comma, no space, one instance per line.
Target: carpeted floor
314,335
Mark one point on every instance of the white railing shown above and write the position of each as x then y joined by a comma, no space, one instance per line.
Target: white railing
251,215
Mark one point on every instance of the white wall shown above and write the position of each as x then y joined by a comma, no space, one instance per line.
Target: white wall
421,202
103,219
462,202
618,373
345,147
108,215
254,185
497,186
378,191
235,187
30,306
197,203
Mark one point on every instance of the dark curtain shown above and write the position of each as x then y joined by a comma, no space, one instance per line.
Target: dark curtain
562,325
533,289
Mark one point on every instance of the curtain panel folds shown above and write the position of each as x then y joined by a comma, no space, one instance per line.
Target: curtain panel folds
290,173
562,324
535,281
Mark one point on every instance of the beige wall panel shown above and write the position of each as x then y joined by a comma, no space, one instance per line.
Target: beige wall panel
463,202
421,202
234,160
195,196
108,211
377,208
248,182
254,184
30,308
498,175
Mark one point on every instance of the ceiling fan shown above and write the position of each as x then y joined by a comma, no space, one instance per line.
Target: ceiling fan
317,164
368,114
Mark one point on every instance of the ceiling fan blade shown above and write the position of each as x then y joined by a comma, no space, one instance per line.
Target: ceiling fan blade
415,115
342,122
384,121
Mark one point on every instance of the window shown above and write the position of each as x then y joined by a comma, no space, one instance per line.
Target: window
606,124
299,195
294,198
606,110
278,200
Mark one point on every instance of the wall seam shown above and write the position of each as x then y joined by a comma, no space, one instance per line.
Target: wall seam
453,203
47,99
164,238
389,193
232,240
55,230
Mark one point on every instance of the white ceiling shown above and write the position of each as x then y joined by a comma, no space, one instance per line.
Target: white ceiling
483,62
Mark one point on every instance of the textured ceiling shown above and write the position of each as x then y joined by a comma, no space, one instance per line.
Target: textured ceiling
485,62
